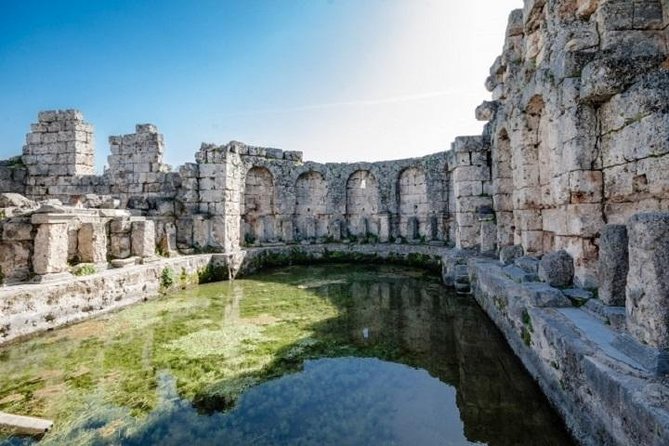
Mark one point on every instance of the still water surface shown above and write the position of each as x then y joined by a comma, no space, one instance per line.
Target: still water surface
304,355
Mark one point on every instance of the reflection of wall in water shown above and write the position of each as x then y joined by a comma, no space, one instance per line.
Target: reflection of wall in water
452,338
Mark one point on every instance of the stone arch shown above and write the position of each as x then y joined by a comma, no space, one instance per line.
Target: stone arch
258,211
362,203
502,179
413,204
310,206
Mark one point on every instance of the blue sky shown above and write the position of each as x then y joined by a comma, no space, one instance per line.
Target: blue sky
342,80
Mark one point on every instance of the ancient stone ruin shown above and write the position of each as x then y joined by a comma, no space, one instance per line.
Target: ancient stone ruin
556,217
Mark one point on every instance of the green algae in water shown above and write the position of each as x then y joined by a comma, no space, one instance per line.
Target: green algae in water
243,363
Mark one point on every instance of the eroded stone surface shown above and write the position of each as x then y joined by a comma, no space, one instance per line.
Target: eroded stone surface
647,289
557,269
613,264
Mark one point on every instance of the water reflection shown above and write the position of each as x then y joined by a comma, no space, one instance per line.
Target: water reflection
410,364
332,402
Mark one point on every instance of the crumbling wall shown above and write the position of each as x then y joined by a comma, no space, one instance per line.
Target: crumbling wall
13,176
579,123
59,156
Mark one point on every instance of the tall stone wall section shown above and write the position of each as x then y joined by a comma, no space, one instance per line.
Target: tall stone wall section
136,169
579,123
59,156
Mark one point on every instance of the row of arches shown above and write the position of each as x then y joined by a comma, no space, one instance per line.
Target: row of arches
310,219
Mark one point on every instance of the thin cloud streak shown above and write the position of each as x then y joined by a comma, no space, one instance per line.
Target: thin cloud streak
358,103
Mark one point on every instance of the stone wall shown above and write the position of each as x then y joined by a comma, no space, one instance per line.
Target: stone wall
13,176
579,123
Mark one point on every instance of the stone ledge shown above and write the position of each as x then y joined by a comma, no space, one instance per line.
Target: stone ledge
572,355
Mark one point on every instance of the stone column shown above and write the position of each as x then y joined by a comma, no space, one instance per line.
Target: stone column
384,228
488,234
143,239
647,292
51,243
93,243
613,265
120,237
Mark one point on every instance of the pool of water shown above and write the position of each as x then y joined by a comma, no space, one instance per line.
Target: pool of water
303,355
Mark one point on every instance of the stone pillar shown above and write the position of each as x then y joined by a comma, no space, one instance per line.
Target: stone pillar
647,292
120,238
613,265
51,241
92,244
488,234
471,183
384,228
143,238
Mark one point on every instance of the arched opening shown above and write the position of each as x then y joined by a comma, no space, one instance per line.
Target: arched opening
310,208
362,204
258,212
413,204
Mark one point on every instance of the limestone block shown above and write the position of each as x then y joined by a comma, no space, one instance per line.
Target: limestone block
488,237
502,202
92,246
585,8
51,249
611,73
613,264
555,220
619,182
471,173
185,232
467,237
473,204
143,238
645,97
486,111
532,241
647,291
528,220
586,186
584,220
579,153
527,198
557,269
507,254
467,188
119,245
16,230
504,228
634,41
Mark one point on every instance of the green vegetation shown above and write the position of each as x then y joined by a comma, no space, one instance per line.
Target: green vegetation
249,240
16,163
167,278
216,341
83,269
527,330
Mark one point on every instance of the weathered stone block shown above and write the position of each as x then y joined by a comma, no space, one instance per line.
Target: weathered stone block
51,248
92,246
613,264
508,253
557,269
647,292
143,238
